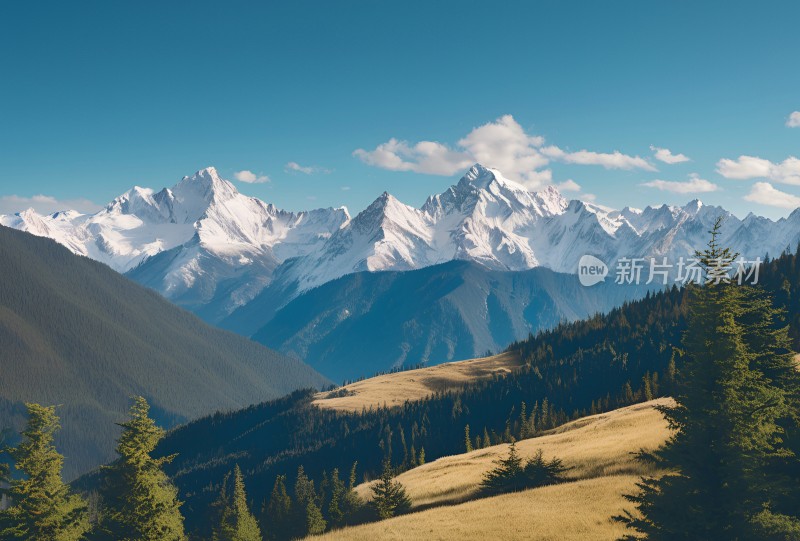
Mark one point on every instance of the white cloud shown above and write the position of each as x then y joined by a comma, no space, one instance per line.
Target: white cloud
345,188
45,204
502,144
695,184
569,185
505,146
294,167
614,160
665,155
250,178
794,120
424,157
748,167
765,194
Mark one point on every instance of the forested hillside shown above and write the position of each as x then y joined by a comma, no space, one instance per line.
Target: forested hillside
78,334
631,363
453,311
607,361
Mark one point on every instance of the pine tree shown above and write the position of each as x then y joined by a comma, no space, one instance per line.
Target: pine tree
315,522
508,475
5,469
467,439
42,508
647,389
511,473
141,503
421,459
627,393
351,481
539,472
352,504
726,420
308,519
277,521
236,523
221,509
779,487
303,487
335,511
389,497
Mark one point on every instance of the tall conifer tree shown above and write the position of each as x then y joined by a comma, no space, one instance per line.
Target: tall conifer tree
140,502
726,418
277,521
42,508
389,497
307,514
236,522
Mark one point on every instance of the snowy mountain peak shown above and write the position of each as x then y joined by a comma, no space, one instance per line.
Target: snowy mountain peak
28,213
138,202
693,206
480,177
205,184
385,210
65,215
225,247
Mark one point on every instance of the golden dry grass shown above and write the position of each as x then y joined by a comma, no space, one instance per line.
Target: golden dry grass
599,448
579,511
395,389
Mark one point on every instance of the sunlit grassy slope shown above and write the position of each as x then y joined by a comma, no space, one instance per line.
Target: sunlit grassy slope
394,389
598,448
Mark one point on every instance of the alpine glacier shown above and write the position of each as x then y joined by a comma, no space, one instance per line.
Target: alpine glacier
211,249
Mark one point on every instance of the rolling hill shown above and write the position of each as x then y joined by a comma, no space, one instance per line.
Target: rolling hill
599,449
577,368
78,334
389,390
572,371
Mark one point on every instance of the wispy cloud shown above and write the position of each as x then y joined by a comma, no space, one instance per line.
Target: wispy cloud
45,204
569,185
613,160
695,184
665,155
502,144
765,193
250,178
749,167
294,167
794,120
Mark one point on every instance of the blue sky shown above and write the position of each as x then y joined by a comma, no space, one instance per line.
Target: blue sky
103,96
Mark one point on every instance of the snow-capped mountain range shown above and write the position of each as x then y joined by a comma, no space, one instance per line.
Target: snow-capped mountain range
211,249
